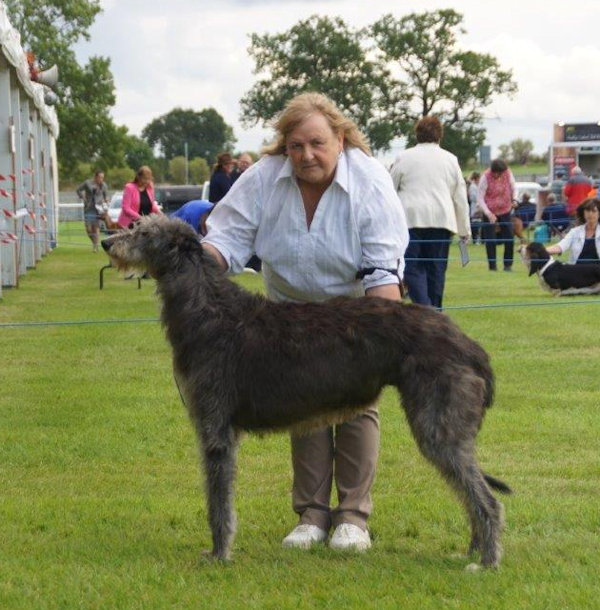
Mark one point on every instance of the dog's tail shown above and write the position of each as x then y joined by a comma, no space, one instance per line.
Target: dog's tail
497,484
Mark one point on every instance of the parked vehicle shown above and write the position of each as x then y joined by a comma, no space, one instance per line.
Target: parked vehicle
172,197
114,210
531,188
114,206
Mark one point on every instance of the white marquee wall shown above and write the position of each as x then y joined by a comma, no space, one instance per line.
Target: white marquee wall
28,167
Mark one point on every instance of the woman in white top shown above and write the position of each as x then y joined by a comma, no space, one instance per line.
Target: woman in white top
434,195
583,241
323,216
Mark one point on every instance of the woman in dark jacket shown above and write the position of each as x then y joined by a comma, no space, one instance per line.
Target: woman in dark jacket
220,181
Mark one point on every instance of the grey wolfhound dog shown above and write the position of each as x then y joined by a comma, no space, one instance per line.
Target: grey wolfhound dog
244,363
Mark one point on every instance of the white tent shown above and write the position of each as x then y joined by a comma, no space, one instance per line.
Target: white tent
28,164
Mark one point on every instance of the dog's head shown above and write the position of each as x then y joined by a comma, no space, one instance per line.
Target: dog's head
534,256
156,244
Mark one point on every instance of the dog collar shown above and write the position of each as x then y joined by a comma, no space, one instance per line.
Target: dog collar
545,267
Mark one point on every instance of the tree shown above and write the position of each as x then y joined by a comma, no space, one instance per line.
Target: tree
86,94
137,152
322,54
205,132
441,79
517,151
199,170
177,169
117,177
521,150
504,152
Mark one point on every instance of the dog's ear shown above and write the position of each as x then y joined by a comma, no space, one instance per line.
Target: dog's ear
189,243
184,238
537,255
536,258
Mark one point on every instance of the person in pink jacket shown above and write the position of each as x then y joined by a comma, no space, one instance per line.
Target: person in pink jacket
138,198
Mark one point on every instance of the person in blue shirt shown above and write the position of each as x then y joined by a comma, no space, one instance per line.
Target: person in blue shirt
195,213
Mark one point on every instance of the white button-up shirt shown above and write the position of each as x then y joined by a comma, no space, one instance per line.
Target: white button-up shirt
358,224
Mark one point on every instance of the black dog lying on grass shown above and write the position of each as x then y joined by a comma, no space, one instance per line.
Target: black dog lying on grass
243,362
559,278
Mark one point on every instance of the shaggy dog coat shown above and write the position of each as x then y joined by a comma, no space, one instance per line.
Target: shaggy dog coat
243,362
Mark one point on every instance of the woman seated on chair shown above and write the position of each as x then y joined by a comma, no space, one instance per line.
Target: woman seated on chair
582,241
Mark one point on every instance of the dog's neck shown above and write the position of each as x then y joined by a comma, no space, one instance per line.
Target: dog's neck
198,294
550,262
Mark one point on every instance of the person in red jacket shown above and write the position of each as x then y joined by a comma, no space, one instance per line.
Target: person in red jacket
576,189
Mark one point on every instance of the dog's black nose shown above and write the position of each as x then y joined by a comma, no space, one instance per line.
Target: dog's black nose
105,244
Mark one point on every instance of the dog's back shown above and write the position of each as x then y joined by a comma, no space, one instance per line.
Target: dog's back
564,277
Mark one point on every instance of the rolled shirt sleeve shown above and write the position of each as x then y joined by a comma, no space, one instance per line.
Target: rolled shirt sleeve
383,233
234,221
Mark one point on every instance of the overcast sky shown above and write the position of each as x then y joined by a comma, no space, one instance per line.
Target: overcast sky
193,54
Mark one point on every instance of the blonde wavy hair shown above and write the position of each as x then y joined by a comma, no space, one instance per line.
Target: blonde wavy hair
300,108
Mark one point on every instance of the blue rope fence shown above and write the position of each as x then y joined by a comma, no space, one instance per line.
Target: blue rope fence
561,303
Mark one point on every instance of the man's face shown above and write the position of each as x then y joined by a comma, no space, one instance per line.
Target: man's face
244,162
99,178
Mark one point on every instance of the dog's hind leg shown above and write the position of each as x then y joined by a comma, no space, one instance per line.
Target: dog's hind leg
458,466
485,512
219,467
445,427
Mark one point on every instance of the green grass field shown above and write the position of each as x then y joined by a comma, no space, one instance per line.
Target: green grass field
102,503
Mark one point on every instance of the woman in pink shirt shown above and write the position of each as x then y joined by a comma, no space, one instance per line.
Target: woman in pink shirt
497,193
138,198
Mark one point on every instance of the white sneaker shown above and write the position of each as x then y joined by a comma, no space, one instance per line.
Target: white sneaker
303,536
350,537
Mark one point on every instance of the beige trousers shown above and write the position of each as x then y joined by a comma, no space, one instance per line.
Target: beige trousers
347,453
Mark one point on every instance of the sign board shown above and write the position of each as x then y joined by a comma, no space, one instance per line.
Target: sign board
581,132
562,167
485,155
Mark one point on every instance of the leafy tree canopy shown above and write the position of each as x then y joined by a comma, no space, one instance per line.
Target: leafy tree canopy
137,152
197,170
322,54
86,93
456,85
205,132
385,76
517,151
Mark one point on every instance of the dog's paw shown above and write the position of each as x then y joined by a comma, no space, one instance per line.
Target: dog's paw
473,567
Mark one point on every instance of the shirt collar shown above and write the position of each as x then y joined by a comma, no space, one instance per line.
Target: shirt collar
545,267
341,171
286,170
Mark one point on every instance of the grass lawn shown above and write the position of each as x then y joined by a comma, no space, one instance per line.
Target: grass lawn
102,503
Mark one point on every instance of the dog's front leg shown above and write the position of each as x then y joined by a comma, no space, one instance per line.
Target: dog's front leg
219,466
